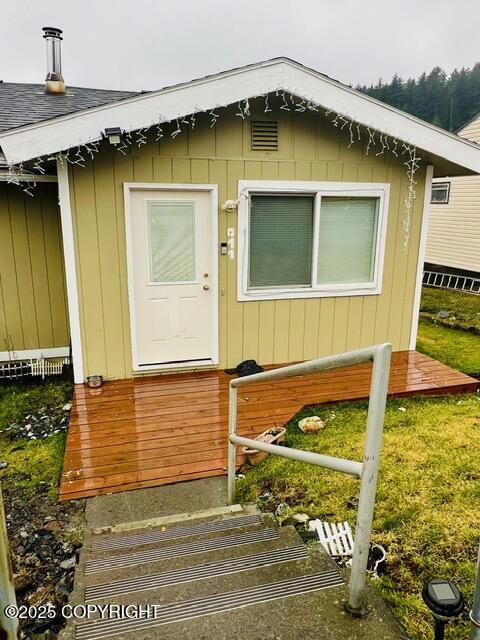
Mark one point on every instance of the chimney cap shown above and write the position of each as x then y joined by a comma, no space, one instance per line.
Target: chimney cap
52,32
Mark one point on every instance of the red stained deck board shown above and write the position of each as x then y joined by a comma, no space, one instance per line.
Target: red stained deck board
164,429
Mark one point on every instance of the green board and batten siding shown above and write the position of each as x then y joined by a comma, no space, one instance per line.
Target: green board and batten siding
33,309
270,331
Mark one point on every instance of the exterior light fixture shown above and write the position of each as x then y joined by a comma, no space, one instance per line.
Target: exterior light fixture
445,601
229,206
113,134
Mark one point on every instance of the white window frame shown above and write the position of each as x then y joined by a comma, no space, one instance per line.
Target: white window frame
317,189
437,186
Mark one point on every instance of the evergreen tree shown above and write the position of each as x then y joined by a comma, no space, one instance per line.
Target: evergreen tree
446,101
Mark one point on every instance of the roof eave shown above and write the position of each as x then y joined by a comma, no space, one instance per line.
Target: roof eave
229,87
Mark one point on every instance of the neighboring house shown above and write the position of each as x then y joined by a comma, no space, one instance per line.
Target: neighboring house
453,240
33,302
321,254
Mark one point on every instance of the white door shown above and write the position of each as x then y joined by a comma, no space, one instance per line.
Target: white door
171,273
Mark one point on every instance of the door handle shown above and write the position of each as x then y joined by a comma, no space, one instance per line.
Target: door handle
206,287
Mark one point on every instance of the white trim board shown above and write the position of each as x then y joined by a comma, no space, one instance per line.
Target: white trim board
228,87
421,257
245,187
34,354
128,187
70,270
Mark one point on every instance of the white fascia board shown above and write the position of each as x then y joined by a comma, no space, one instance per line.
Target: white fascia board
142,111
382,117
230,87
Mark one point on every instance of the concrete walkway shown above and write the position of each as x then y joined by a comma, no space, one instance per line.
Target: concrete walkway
214,572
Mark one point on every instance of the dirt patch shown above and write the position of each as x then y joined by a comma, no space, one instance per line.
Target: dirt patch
44,540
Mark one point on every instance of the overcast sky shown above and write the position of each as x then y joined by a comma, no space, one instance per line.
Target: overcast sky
147,44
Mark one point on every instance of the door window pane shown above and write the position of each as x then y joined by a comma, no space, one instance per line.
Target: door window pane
281,232
347,239
171,241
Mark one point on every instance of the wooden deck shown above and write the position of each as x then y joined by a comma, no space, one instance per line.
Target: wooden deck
158,430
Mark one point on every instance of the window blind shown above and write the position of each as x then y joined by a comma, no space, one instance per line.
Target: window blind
171,240
347,238
281,230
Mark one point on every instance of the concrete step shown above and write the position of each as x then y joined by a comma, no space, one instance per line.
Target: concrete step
235,576
181,556
190,601
167,552
124,590
312,613
125,510
202,529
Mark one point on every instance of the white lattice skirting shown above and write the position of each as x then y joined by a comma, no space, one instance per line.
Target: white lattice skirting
32,367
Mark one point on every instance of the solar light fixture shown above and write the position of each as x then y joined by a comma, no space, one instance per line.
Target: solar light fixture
113,134
445,601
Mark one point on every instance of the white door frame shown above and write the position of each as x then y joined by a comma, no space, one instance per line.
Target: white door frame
70,258
128,187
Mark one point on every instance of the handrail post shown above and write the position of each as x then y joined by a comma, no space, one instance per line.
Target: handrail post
368,487
232,448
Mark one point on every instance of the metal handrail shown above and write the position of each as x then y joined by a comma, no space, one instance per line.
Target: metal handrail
367,470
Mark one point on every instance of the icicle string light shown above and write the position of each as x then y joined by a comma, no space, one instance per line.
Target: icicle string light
375,141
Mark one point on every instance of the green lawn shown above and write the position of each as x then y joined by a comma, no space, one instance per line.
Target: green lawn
459,349
428,493
429,485
32,462
462,310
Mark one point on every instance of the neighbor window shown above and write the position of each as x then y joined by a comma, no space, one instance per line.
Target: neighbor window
440,193
300,244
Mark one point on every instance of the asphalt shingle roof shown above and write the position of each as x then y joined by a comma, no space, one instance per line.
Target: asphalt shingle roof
22,104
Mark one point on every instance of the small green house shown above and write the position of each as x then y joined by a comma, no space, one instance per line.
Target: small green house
265,212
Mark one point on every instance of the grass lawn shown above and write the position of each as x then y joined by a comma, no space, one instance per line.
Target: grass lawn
428,494
456,348
32,462
463,308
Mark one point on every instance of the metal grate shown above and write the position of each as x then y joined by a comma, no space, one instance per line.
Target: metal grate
190,609
189,548
466,284
150,537
264,135
197,572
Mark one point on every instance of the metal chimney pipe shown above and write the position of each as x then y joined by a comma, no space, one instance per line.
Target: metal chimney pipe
54,82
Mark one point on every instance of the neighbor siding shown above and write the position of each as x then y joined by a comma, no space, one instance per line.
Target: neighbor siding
269,331
33,312
471,131
454,229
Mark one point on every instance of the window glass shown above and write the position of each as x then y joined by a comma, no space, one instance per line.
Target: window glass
171,241
281,238
347,239
440,193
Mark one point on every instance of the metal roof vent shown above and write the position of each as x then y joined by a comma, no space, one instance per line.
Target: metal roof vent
265,135
54,82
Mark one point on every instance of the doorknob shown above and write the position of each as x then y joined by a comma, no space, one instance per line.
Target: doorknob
206,287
